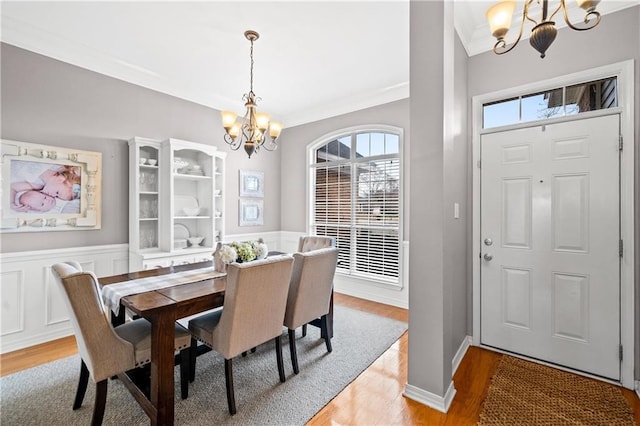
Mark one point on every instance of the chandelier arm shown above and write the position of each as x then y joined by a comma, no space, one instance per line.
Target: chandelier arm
525,14
233,143
500,47
562,6
591,19
272,146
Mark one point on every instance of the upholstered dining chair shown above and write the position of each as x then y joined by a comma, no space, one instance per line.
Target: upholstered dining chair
314,242
254,303
310,294
106,351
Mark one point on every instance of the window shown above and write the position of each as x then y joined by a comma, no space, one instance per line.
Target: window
562,101
355,198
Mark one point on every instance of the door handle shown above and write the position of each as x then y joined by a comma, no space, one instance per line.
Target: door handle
488,257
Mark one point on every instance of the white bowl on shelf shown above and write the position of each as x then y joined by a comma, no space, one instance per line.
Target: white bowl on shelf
179,244
195,241
191,211
179,163
142,160
152,161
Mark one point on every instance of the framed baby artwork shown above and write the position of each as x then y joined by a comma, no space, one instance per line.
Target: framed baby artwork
251,183
47,188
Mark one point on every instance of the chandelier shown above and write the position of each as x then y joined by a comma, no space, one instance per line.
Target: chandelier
252,130
544,32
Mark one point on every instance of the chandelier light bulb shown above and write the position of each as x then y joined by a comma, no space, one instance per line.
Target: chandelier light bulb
499,16
228,119
274,130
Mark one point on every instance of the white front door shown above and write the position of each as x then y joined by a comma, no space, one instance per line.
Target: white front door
550,230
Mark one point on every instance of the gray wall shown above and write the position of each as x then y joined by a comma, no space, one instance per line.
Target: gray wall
294,156
615,39
49,102
437,179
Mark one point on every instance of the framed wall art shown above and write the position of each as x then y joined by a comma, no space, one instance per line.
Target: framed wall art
251,212
47,188
251,183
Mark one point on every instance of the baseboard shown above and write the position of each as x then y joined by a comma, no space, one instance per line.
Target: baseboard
462,350
388,297
437,402
638,388
32,340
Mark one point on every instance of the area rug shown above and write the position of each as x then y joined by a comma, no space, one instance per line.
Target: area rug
44,394
525,393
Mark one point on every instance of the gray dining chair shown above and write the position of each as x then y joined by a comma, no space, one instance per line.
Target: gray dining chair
314,242
310,294
106,351
254,303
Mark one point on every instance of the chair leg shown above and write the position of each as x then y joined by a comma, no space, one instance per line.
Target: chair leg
279,359
192,359
82,385
292,350
228,376
101,400
185,376
323,326
304,330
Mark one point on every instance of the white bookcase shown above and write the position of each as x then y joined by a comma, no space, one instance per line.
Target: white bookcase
176,202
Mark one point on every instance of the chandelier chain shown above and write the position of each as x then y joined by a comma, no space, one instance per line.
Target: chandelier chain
251,72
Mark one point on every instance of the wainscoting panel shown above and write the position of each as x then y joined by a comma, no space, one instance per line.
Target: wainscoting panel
33,309
11,302
56,307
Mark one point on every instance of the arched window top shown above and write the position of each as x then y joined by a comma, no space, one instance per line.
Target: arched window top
359,145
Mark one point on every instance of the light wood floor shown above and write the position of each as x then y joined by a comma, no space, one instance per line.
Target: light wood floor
375,397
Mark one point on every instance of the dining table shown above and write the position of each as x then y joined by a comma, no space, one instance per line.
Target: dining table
200,291
162,307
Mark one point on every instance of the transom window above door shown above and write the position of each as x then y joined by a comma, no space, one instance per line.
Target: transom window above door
558,102
355,182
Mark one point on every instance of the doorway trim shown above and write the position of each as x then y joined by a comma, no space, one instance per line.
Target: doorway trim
624,72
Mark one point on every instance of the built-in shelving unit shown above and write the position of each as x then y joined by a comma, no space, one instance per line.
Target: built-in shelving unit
176,202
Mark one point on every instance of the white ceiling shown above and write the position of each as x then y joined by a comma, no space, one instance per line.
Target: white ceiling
314,59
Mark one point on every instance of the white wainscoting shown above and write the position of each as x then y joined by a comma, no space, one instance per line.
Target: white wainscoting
33,310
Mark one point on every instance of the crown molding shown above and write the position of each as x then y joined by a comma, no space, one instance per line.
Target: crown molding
31,38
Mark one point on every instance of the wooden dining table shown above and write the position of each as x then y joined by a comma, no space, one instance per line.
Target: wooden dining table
162,308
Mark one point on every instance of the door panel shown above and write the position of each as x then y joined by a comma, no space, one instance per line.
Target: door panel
550,206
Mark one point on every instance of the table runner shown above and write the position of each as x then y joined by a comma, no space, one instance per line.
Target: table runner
112,293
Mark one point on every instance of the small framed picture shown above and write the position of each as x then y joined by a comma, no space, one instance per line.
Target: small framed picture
251,212
251,183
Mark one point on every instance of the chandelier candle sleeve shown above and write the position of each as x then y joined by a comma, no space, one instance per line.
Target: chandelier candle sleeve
251,131
544,31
